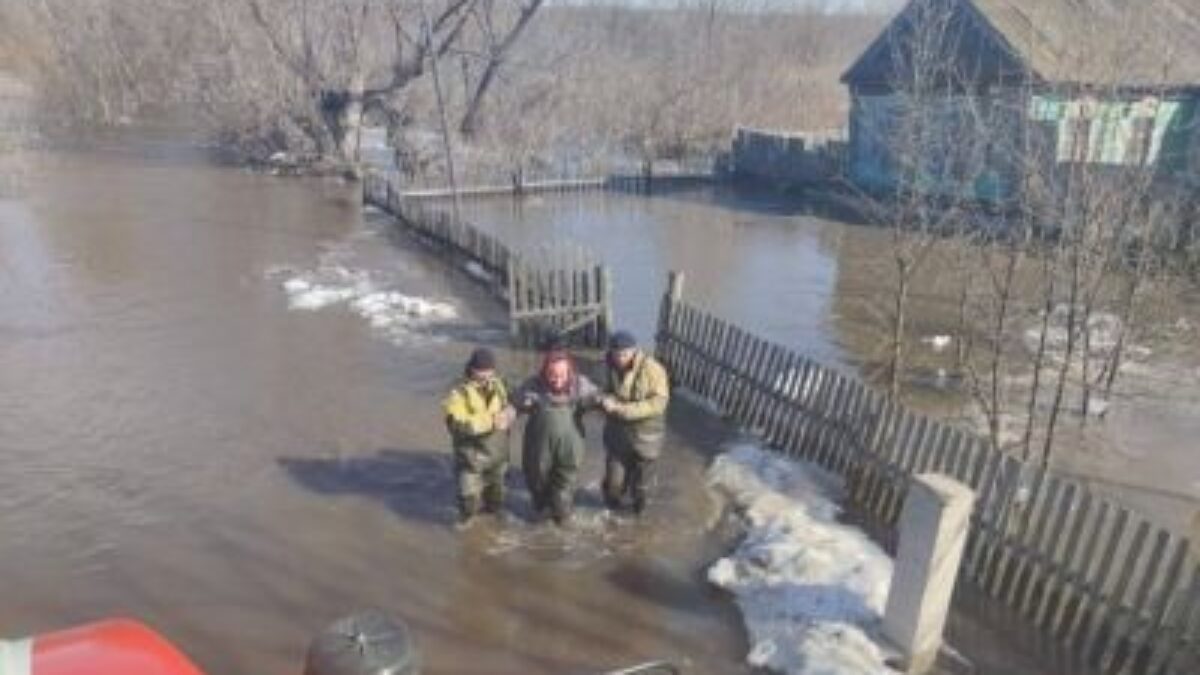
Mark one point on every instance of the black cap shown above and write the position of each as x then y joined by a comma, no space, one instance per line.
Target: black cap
482,359
622,339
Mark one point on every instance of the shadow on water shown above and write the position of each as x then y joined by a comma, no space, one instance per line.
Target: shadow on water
417,485
413,484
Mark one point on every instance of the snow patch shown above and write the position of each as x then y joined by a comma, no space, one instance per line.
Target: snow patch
937,342
476,271
1103,331
811,590
394,314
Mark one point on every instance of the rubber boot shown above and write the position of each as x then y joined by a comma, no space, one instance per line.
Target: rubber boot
468,508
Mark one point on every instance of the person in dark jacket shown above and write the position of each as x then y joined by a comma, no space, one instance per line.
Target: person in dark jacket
553,446
478,418
635,399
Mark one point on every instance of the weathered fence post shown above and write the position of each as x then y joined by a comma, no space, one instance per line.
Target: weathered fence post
514,326
606,310
933,531
671,299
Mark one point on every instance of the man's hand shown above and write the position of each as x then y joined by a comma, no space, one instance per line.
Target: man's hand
609,404
504,419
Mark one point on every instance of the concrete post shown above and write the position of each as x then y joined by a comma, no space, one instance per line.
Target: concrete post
675,286
933,532
1193,534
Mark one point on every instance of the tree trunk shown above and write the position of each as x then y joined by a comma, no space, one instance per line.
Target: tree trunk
1065,368
470,119
1039,361
896,368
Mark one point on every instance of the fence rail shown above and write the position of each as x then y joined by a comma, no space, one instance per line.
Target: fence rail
1120,592
566,292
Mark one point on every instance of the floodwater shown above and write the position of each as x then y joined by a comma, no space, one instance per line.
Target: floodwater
779,267
183,439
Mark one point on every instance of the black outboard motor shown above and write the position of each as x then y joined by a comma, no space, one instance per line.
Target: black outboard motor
366,643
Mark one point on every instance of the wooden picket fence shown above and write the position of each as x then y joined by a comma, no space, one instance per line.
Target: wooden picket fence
561,290
1118,591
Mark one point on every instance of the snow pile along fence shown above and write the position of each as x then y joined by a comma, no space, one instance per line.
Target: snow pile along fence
1119,590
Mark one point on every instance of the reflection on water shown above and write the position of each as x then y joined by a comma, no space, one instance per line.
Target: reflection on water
178,444
757,260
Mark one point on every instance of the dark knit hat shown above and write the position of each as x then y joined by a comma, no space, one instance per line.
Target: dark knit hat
622,339
481,359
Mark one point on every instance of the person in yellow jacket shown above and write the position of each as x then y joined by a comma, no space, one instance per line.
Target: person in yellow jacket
478,419
635,400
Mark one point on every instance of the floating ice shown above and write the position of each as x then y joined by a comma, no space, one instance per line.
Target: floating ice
937,342
391,312
476,270
811,591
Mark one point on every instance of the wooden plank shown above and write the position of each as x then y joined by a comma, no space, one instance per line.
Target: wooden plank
713,337
1098,536
1154,606
815,419
965,465
906,427
1055,551
798,415
754,390
1031,547
842,442
906,462
728,340
1100,588
1116,606
819,444
777,414
984,516
934,440
1044,547
1071,566
1189,656
1011,477
777,364
1022,519
1183,613
852,431
775,368
748,369
696,338
826,444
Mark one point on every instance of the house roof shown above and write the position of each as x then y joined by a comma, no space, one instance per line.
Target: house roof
1128,43
1124,42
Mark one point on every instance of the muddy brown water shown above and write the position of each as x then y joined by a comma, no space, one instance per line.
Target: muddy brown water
183,441
178,445
796,274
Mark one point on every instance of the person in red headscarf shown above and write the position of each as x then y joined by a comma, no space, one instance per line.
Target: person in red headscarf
554,401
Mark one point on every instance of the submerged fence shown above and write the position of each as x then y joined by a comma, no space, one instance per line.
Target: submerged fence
564,291
1119,591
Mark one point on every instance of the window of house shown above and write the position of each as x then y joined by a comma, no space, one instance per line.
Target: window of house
1140,139
1079,139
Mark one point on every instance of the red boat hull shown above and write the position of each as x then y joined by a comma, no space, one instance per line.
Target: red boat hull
111,647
